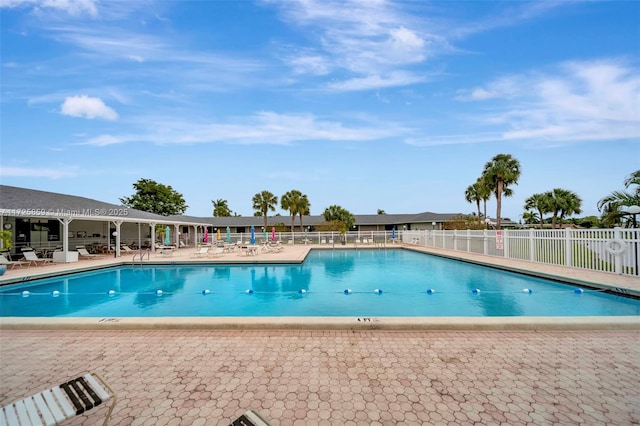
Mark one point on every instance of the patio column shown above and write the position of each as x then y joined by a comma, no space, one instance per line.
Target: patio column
117,223
65,237
153,236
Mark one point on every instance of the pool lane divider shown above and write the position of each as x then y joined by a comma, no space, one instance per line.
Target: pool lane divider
347,291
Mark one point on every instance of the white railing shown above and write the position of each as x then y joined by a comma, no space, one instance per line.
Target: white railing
379,238
605,250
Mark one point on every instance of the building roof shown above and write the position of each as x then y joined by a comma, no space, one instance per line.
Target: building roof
23,202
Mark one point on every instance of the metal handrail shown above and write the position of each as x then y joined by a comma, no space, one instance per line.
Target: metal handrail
141,253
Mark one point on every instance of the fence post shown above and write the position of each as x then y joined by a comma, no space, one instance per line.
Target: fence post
532,245
468,241
505,242
485,242
455,240
568,249
617,257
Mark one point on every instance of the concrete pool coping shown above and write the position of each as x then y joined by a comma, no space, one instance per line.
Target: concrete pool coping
326,323
624,285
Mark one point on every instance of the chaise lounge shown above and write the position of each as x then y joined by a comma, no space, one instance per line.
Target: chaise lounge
11,264
84,254
33,258
60,403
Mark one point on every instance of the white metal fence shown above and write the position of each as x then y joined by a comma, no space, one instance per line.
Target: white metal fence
606,250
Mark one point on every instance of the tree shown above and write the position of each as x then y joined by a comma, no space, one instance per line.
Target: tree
484,192
294,201
338,214
609,206
155,197
540,203
380,211
304,209
471,195
500,172
561,203
263,202
221,208
530,218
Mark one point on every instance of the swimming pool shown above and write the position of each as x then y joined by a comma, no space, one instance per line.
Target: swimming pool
329,283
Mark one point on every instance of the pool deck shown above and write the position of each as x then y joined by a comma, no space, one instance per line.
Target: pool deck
329,377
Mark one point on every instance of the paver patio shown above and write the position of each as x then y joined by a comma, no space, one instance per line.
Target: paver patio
297,377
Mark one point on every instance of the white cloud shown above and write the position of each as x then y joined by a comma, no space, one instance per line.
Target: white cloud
455,139
38,172
264,128
87,107
104,140
580,101
369,82
505,87
72,7
369,39
310,64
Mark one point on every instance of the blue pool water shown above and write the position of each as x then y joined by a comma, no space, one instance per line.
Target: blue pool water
314,288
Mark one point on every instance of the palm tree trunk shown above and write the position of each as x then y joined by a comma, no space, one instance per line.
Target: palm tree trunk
478,205
499,204
293,221
541,219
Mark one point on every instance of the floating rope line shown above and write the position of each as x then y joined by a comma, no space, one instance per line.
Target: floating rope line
347,291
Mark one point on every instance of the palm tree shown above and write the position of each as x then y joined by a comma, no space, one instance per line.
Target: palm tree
502,171
539,202
304,208
471,195
485,189
221,208
263,202
530,217
610,205
561,203
292,201
340,214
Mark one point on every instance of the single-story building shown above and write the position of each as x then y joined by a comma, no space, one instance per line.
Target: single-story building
52,221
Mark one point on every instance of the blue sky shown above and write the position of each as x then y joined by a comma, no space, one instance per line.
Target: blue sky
365,104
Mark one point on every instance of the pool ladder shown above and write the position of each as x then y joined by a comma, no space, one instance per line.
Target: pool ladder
141,253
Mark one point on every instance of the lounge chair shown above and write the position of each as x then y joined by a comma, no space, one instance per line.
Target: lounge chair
84,254
33,258
11,264
203,252
272,247
125,248
216,252
250,418
60,403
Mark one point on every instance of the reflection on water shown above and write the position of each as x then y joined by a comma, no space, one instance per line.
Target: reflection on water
296,278
496,302
262,281
169,280
222,273
339,264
